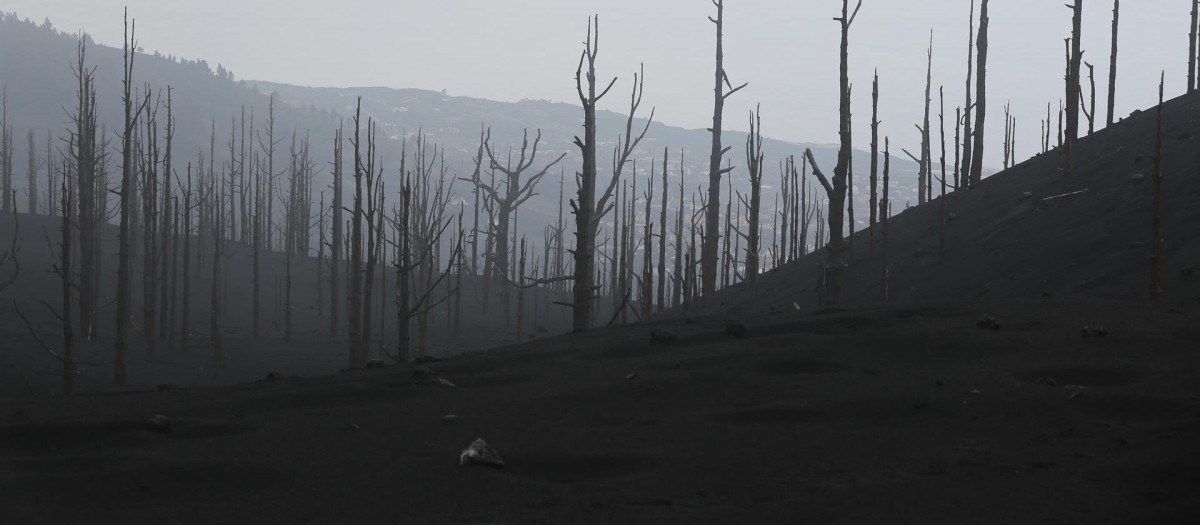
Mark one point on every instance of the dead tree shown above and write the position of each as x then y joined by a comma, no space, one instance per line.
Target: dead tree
1192,34
149,183
662,239
647,277
124,304
87,157
1112,58
355,273
1156,243
7,200
874,202
214,319
589,210
980,96
31,187
884,207
165,237
924,175
184,332
836,189
1074,87
968,136
942,200
1007,145
514,195
335,258
10,256
708,256
1090,114
754,164
677,289
584,209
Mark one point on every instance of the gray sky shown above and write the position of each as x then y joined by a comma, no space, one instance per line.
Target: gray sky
786,49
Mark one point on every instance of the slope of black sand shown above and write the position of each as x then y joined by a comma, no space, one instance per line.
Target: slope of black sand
1005,240
909,415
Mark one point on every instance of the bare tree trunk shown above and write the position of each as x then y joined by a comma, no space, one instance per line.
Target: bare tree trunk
708,256
875,160
754,163
167,217
68,360
942,122
1112,60
1192,46
1073,87
87,163
355,274
214,319
184,332
1156,243
31,182
335,295
968,135
174,274
677,292
980,96
662,238
884,207
924,175
836,189
124,306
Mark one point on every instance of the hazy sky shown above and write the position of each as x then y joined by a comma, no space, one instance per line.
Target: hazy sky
786,49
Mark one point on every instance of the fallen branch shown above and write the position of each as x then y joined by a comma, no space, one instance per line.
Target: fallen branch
1071,194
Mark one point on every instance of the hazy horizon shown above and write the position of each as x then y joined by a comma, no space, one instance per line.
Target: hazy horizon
786,50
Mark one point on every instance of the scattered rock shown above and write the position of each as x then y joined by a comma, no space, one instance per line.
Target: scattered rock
632,375
446,383
168,387
988,323
449,418
354,426
1094,331
159,423
735,328
421,371
660,336
1027,194
1138,177
480,453
376,363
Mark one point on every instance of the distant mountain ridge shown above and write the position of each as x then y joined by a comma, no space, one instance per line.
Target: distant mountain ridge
35,61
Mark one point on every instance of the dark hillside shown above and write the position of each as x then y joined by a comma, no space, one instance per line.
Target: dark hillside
1014,237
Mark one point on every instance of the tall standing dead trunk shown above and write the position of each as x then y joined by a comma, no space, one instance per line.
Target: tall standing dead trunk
214,312
875,162
1112,59
184,331
836,189
584,209
884,207
980,95
87,160
1073,87
31,181
355,273
1192,34
712,217
677,289
754,163
662,239
942,136
335,296
924,176
968,136
165,235
124,304
1156,243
